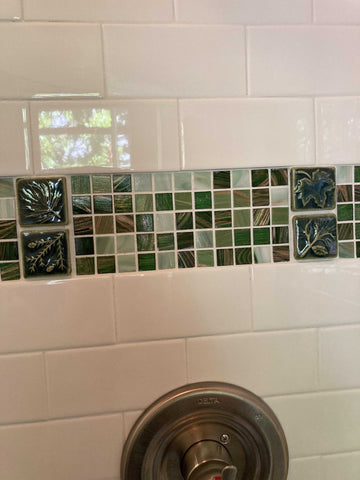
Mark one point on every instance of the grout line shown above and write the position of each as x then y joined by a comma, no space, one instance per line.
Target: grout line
102,43
46,378
318,358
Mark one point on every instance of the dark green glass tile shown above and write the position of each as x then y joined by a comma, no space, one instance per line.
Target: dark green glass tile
221,179
280,235
84,246
145,242
204,239
106,264
9,271
186,259
183,201
203,200
241,198
241,218
85,266
126,263
345,231
123,204
146,261
122,183
80,184
104,224
223,238
260,197
357,193
280,215
103,204
203,219
165,241
357,231
279,176
145,222
261,217
261,236
242,237
144,202
7,229
205,258
224,257
124,223
260,178
345,212
164,201
101,183
6,187
346,250
315,236
9,251
243,256
344,193
81,205
182,180
357,174
313,188
357,212
184,221
185,240
357,249
223,219
222,199
83,226
281,253
166,260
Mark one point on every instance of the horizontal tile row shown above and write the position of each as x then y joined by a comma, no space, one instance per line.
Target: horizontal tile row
326,467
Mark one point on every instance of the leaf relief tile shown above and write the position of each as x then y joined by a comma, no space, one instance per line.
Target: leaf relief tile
315,237
313,188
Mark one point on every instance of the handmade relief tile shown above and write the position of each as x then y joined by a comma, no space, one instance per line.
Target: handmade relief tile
313,188
315,237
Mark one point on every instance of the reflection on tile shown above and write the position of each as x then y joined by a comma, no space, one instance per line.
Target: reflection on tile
315,236
262,254
81,205
313,188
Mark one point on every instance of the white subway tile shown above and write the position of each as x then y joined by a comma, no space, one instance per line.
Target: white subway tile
316,424
337,11
162,61
14,147
147,131
40,59
338,130
304,60
268,364
43,315
10,9
340,357
305,468
22,380
243,11
247,133
305,294
345,466
113,378
182,303
99,10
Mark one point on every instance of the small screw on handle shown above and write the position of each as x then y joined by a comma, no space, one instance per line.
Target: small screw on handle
229,473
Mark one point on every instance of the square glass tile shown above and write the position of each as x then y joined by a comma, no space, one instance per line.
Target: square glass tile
144,202
123,204
280,196
81,205
241,218
243,256
261,217
203,200
105,245
84,246
8,229
260,178
162,182
204,239
182,180
101,183
280,216
106,264
185,240
7,208
104,224
260,197
122,183
262,254
345,212
9,251
224,257
223,238
344,174
202,180
183,201
125,244
279,176
145,242
221,179
142,182
241,198
126,263
85,266
281,253
124,223
184,221
6,187
165,241
145,222
164,201
222,199
146,261
166,260
80,184
241,178
186,259
205,258
103,204
203,219
164,222
223,219
346,250
83,225
9,271
344,193
261,236
242,236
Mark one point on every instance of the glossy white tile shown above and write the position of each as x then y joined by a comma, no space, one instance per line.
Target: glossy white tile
267,364
345,466
102,135
303,60
247,133
337,11
10,10
45,315
71,63
170,61
309,468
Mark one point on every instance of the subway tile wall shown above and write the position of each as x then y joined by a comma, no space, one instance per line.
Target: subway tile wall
177,85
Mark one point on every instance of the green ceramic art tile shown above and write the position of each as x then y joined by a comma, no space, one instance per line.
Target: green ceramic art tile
123,204
145,242
7,208
83,225
80,184
165,241
106,264
166,260
241,198
313,188
261,217
281,253
222,179
222,199
243,256
204,239
145,222
346,250
125,243
7,187
262,254
344,174
260,197
202,180
104,224
205,258
84,246
81,205
280,235
224,257
280,196
182,180
242,236
9,271
105,245
280,216
357,174
126,263
223,219
7,229
101,183
124,223
345,231
142,182
184,221
122,183
45,253
357,212
162,182
261,236
164,222
203,219
103,204
241,218
357,193
85,266
223,238
186,259
203,200
241,178
9,251
164,201
144,202
183,201
315,236
260,178
344,212
344,193
146,261
185,240
279,176
357,231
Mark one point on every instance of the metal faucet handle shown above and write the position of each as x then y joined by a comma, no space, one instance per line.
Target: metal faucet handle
229,473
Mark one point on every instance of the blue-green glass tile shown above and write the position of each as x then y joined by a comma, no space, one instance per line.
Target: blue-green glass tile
146,261
357,174
104,224
7,187
280,196
183,201
7,208
103,204
182,180
85,266
203,200
224,257
9,271
241,218
125,243
261,217
241,198
124,223
185,240
81,205
315,236
165,241
260,178
241,178
344,174
203,219
164,201
222,199
144,202
223,238
142,182
243,256
280,235
262,254
281,253
313,188
344,193
261,236
101,183
357,231
145,222
279,176
202,180
106,264
345,231
166,260
184,221
45,253
164,222
84,246
123,204
204,239
80,184
9,251
122,183
346,250
186,259
7,229
260,197
126,263
162,182
345,212
280,216
105,245
205,258
223,219
242,236
83,226
145,242
222,179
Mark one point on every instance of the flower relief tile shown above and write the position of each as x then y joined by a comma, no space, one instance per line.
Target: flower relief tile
315,236
313,188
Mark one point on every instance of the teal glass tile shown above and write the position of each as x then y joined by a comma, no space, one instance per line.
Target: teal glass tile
221,179
7,229
166,260
203,200
241,218
280,196
346,250
243,256
7,208
145,222
144,202
104,224
122,183
164,201
261,217
183,201
182,180
84,246
203,219
184,221
146,261
9,271
357,212
241,178
45,253
164,222
279,176
260,197
280,216
145,242
357,193
202,180
357,174
344,193
126,263
7,187
204,239
242,236
280,235
85,266
260,178
261,236
101,183
345,231
344,174
345,212
165,241
103,204
222,199
186,259
125,243
9,251
142,182
185,240
241,198
281,253
205,258
223,238
123,204
124,223
80,184
313,188
224,257
81,205
223,219
262,254
105,245
83,226
162,182
106,264
315,236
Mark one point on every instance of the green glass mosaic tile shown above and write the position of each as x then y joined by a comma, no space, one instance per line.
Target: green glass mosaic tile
357,249
280,235
223,219
145,222
313,188
357,174
223,238
203,219
260,197
144,202
243,256
165,241
280,196
103,204
242,236
260,178
164,201
123,204
224,257
105,245
357,212
241,198
7,229
104,224
162,182
261,236
241,178
279,176
83,225
125,243
7,208
222,179
183,201
344,174
122,183
203,200
345,212
202,180
146,261
124,223
145,242
106,264
344,193
315,236
205,258
280,216
345,231
184,221
186,259
9,271
185,240
164,222
80,184
182,180
166,260
142,182
262,254
241,218
84,246
222,199
6,187
85,266
101,183
346,250
204,239
357,193
9,251
357,231
81,205
281,253
126,263
261,217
